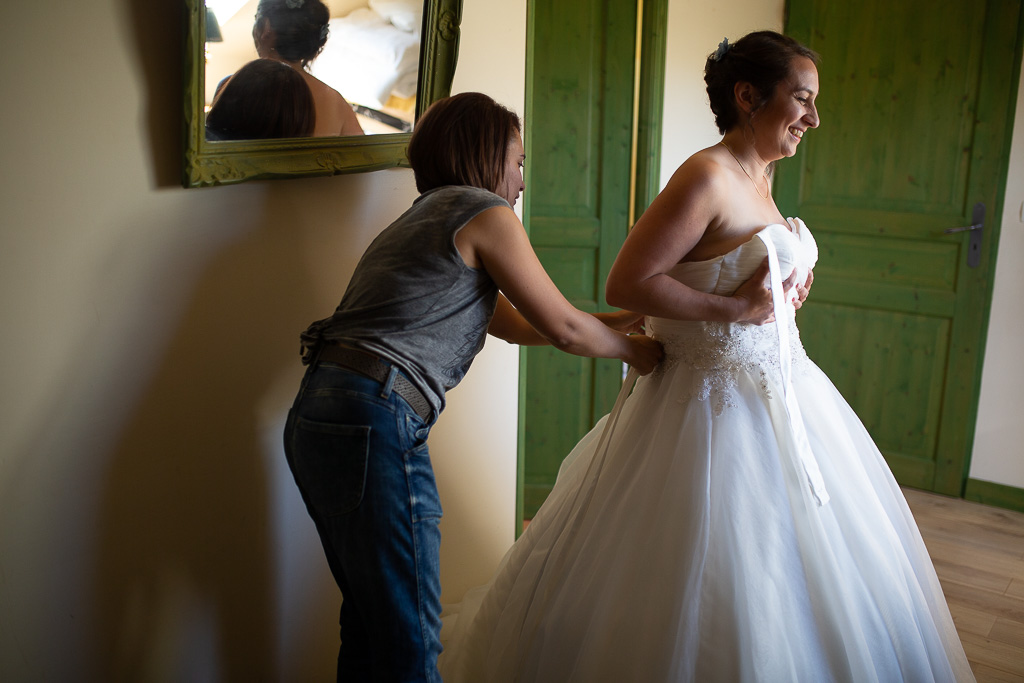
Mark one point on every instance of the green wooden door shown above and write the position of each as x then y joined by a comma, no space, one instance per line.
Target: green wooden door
916,111
579,128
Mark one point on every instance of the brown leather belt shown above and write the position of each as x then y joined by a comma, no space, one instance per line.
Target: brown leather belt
369,365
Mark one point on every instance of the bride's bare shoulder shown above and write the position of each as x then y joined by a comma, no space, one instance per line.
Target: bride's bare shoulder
704,171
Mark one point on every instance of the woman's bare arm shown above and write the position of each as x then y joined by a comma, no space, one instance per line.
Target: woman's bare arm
496,241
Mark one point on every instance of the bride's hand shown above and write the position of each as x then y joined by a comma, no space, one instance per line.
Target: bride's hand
645,353
755,297
803,290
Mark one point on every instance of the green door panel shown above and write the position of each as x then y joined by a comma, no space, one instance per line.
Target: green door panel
889,366
579,128
916,109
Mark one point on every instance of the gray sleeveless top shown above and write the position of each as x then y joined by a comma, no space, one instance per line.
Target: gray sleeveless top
412,299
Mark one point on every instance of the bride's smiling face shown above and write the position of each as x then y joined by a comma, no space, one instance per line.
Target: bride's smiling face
782,122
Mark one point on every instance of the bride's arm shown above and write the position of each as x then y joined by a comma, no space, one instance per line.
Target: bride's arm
691,204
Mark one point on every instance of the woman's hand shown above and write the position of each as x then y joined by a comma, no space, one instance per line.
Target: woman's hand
645,353
623,321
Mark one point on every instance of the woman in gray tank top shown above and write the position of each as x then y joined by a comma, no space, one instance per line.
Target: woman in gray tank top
456,266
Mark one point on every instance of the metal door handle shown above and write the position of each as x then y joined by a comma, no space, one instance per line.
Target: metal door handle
977,230
976,226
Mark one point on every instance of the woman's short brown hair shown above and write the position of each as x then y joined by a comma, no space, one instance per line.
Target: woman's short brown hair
462,140
263,99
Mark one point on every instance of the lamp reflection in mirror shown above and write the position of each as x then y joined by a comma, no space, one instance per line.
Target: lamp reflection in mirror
213,34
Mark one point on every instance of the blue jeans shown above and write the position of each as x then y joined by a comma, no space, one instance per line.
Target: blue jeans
359,456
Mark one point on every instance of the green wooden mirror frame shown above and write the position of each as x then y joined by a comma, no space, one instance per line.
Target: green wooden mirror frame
220,163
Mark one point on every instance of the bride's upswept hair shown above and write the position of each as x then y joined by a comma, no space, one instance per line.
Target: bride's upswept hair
462,140
301,27
761,58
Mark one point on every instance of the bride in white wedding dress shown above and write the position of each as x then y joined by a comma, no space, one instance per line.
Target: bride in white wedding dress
731,519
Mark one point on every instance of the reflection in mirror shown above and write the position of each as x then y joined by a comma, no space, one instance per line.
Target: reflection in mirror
386,60
262,100
360,58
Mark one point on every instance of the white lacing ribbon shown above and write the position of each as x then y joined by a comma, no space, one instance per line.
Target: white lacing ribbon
796,421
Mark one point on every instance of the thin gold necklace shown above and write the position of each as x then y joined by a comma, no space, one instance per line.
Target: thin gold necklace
767,183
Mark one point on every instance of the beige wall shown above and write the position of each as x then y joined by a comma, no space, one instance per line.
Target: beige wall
999,439
694,31
149,529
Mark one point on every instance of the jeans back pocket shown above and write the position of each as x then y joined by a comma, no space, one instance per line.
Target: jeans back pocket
330,464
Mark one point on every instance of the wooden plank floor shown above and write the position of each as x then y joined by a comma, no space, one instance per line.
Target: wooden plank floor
978,552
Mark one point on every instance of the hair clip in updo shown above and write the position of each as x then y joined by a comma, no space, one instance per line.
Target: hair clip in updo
723,47
294,4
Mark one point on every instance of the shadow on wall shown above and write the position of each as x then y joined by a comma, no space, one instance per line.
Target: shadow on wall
156,29
186,587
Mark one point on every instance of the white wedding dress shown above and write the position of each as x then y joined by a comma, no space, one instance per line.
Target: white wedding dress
734,523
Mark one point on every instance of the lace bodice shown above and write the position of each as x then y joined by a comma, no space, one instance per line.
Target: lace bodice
720,351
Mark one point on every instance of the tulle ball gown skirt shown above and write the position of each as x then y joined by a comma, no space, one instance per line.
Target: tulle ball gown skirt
696,540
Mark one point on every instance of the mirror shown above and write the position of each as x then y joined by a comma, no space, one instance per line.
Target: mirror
216,162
